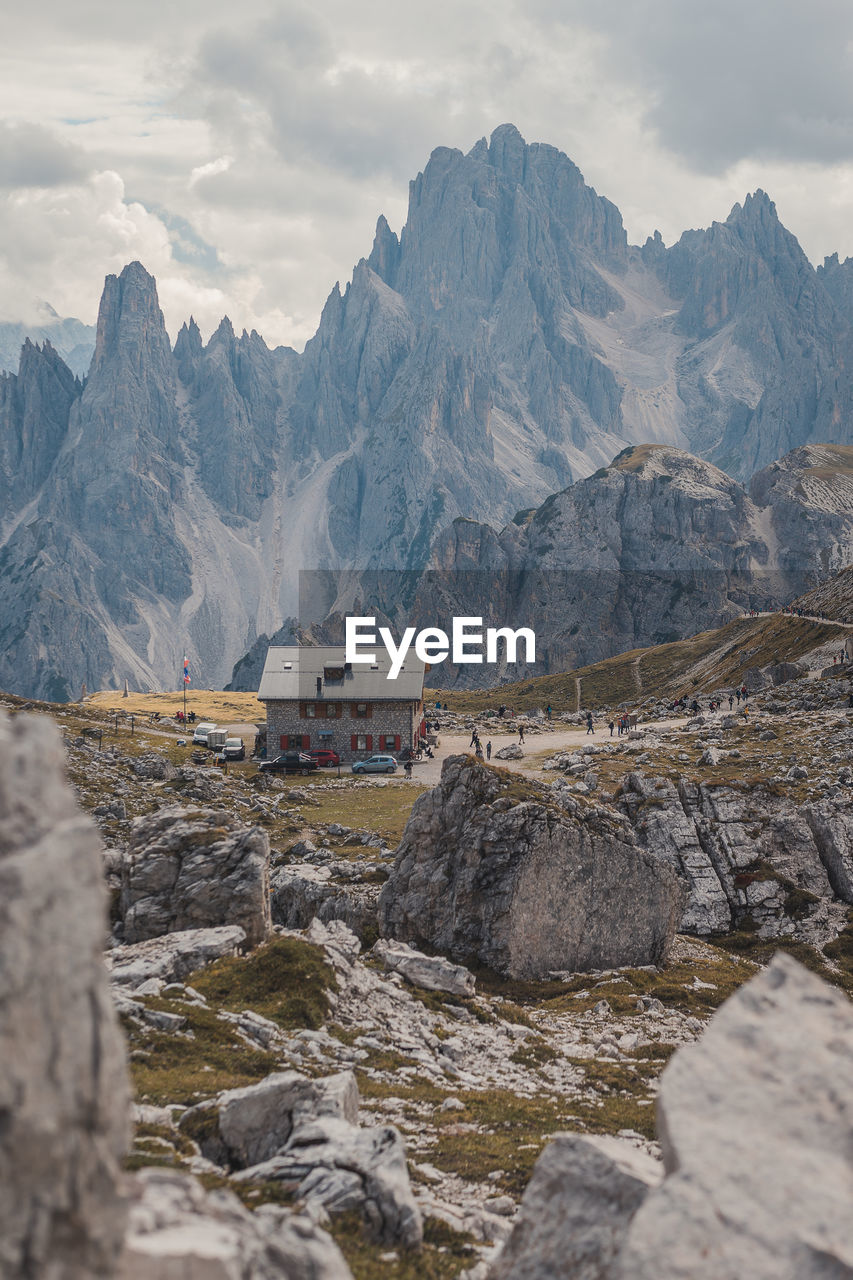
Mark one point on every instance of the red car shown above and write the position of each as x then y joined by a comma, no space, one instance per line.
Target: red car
325,757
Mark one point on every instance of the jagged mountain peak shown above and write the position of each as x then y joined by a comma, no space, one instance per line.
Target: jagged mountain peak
130,326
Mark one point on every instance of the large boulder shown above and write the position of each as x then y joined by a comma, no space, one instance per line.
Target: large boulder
64,1105
576,1209
755,1122
179,1231
243,1127
191,869
490,867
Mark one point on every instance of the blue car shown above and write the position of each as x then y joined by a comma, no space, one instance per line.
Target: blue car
376,764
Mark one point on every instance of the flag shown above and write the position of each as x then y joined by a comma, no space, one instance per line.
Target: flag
186,670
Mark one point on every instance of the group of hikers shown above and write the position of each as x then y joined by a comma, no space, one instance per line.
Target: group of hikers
478,746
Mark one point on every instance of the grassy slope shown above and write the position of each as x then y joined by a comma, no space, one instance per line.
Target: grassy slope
710,660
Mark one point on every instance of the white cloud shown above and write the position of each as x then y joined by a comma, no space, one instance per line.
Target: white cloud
244,155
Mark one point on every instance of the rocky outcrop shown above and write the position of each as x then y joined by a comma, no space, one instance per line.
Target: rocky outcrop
302,892
244,1127
525,886
172,957
193,869
576,1209
743,853
340,1167
657,546
64,1104
178,1229
754,1123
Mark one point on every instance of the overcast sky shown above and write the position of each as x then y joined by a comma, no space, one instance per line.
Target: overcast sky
244,152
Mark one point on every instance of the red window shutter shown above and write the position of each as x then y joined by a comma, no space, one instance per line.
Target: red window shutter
339,710
354,742
303,714
370,742
396,742
306,741
282,742
369,710
383,742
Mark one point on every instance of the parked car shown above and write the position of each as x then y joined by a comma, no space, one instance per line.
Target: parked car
289,762
234,749
202,729
376,764
325,757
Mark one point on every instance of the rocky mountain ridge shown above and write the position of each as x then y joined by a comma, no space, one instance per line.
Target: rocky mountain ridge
507,342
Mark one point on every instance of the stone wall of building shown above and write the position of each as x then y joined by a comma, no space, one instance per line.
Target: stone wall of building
390,727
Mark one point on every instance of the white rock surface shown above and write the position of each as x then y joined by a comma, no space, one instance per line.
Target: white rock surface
178,1231
756,1125
576,1208
342,1167
195,868
254,1123
172,957
64,1105
434,973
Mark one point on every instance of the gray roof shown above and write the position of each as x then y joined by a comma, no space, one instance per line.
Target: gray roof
290,674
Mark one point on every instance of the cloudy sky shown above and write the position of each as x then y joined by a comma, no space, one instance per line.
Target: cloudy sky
243,152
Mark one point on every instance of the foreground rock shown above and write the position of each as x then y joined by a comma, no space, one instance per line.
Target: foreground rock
582,1196
64,1107
191,869
178,1230
756,1122
523,885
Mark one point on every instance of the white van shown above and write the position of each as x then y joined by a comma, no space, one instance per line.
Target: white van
202,729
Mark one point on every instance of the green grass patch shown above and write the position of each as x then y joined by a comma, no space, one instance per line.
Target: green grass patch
444,1253
510,1134
286,980
185,1068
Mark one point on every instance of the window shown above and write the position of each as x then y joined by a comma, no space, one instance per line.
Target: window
311,711
333,673
361,742
296,741
361,710
331,710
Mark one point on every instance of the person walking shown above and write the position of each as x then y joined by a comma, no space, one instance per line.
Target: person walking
589,725
408,770
520,734
548,711
489,749
473,741
731,701
611,727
